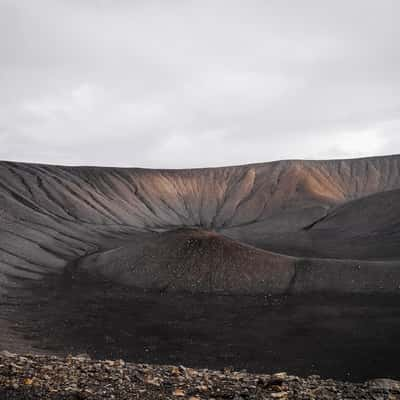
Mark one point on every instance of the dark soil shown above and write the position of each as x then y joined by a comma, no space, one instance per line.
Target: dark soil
352,338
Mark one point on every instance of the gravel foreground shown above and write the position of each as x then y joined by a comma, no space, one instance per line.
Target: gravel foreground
79,377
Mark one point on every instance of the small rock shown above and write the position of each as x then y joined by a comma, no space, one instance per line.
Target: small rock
28,381
7,354
279,395
277,379
384,384
175,371
81,357
178,393
279,375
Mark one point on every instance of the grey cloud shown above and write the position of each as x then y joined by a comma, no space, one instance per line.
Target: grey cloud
187,84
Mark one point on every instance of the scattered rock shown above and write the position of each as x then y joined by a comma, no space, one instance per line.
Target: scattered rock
6,353
279,376
384,384
178,393
79,377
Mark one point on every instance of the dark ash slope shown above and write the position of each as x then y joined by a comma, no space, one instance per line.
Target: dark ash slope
274,227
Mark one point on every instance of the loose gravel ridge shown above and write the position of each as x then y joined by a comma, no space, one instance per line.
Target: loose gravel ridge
79,377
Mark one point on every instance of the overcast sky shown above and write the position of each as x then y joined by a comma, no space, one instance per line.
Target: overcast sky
198,83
